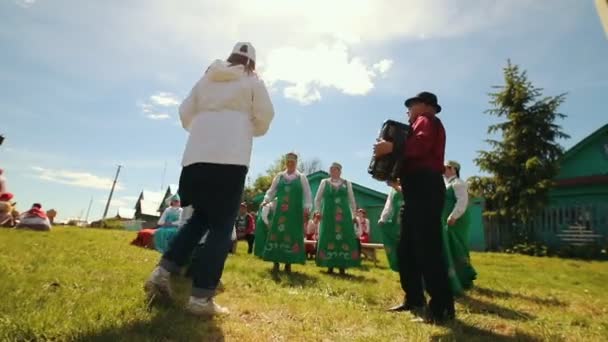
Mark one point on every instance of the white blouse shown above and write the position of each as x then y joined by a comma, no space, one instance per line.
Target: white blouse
272,191
462,196
387,211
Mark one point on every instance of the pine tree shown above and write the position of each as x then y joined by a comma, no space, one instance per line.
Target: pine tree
524,161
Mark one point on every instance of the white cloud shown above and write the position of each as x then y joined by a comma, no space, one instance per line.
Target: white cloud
307,71
344,42
146,107
25,3
75,178
164,99
158,116
152,107
293,60
383,66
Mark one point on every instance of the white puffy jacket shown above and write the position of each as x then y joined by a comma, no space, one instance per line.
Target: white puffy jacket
224,111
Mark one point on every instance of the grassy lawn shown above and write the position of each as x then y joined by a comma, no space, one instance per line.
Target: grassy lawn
78,284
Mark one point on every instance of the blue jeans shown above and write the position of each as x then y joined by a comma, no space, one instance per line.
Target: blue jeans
215,193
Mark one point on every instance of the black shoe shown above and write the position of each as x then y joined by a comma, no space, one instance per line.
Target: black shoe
288,268
445,317
406,307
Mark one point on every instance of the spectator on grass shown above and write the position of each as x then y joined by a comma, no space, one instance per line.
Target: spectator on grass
35,219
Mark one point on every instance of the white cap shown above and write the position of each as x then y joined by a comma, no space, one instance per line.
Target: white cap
244,49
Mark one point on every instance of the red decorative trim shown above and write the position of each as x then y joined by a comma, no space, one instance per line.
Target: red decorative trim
587,180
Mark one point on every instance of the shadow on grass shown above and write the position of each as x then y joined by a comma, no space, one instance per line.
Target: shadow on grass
351,277
167,324
481,307
293,278
508,295
372,267
460,331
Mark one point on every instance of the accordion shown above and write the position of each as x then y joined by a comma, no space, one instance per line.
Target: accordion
388,167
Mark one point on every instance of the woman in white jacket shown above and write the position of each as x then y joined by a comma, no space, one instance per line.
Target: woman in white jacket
226,108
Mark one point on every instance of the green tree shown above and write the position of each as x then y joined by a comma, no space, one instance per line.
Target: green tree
524,161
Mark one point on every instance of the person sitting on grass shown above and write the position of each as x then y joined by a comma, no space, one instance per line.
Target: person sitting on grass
168,224
35,219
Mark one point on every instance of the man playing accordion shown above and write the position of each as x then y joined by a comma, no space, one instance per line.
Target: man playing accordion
420,250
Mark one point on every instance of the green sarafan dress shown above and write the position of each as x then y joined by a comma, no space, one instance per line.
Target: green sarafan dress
285,240
456,245
391,229
261,231
337,246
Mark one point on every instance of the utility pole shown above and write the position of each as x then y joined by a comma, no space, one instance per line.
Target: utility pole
105,212
89,210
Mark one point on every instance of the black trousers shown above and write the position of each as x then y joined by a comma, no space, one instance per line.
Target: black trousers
421,260
214,191
250,238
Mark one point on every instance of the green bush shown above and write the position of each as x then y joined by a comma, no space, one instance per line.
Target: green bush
532,249
586,252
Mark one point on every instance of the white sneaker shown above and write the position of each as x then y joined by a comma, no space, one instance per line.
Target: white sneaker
205,307
159,284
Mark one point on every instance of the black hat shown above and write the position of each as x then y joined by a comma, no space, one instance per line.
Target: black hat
424,97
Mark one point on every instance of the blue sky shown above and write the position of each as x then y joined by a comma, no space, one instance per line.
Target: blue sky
85,85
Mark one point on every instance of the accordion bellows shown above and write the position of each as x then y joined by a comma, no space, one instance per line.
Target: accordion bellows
388,167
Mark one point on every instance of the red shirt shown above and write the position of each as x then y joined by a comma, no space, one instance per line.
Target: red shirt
425,147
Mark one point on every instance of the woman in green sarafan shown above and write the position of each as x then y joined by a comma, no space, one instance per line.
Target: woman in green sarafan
390,225
285,240
337,246
456,222
261,228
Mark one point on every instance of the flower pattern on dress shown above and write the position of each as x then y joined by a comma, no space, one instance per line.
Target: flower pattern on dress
282,219
338,228
339,237
284,207
355,255
287,238
322,254
339,217
330,246
345,247
273,237
281,228
295,248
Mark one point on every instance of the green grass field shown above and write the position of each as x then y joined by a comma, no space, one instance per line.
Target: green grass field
78,284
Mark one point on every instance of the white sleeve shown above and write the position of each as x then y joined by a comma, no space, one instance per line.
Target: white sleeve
265,212
263,111
351,198
186,214
307,192
387,211
272,191
163,217
310,227
319,196
187,110
462,199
